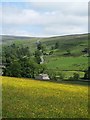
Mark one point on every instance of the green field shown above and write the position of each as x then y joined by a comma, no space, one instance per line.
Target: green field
67,63
27,98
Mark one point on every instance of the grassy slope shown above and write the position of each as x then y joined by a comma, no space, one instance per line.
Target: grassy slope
66,42
68,63
76,43
35,99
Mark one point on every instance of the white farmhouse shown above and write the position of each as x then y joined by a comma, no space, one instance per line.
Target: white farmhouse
42,77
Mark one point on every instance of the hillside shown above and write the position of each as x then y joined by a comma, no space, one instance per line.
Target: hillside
65,42
75,44
27,98
6,38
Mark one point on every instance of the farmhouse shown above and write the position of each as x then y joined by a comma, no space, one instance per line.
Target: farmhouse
42,77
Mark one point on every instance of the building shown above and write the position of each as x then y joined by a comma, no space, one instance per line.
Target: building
42,77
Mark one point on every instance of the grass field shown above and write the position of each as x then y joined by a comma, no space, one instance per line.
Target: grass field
67,63
29,98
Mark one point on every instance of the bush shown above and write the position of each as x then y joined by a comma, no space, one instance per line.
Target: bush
70,78
87,74
52,75
55,76
51,52
74,77
61,76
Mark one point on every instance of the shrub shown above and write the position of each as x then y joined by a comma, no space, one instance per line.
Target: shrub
52,75
61,75
70,78
87,74
51,52
56,76
74,77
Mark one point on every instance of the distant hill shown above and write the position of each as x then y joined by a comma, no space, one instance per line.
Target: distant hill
8,37
65,42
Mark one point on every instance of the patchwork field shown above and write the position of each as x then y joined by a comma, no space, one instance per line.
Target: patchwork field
29,98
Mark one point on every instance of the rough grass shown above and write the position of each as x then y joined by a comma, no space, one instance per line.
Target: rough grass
29,98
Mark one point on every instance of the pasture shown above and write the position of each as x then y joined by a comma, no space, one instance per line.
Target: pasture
27,98
67,63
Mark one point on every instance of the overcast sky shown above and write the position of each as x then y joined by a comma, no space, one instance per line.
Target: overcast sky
43,18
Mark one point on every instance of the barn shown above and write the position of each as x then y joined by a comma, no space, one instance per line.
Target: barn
42,77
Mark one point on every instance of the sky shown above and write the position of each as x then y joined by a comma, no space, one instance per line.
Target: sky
43,18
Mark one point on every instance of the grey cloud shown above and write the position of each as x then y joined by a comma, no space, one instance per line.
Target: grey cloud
56,18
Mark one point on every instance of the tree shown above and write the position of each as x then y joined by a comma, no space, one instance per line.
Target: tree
38,53
39,45
31,69
68,52
52,75
16,60
42,68
87,74
76,76
52,47
56,45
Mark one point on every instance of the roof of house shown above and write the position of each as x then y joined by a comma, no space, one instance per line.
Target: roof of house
44,75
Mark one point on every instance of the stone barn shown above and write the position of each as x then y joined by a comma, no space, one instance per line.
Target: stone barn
42,77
